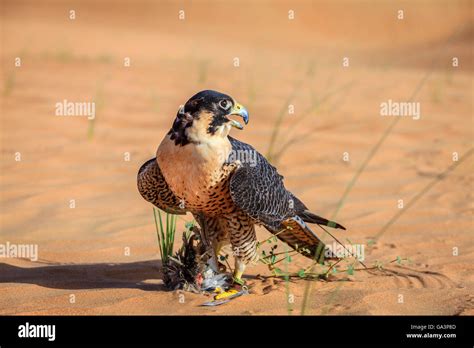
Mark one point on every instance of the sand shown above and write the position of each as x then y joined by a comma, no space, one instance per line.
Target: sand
101,257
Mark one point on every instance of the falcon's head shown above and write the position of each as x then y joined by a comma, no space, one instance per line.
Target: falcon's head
207,115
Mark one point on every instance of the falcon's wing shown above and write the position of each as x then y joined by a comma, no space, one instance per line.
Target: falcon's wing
153,187
258,189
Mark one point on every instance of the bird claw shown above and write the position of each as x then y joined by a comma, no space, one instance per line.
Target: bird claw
239,281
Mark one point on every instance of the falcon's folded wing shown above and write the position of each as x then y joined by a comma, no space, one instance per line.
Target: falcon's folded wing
258,189
153,187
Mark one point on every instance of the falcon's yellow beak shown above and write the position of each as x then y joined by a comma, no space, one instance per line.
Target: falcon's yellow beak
239,110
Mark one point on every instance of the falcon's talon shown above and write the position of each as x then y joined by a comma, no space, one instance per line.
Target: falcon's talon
239,281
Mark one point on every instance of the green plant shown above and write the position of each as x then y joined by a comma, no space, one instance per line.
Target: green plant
165,234
64,55
9,83
99,103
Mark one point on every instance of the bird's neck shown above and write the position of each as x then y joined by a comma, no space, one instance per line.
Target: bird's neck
208,155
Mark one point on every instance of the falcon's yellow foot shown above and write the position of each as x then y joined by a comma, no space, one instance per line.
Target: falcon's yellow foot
238,271
237,278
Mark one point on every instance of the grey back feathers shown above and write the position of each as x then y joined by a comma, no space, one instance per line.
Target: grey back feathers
258,189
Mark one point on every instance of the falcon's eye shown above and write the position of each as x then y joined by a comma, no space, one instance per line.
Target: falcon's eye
224,104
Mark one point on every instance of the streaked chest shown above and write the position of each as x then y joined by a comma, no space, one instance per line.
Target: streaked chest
194,172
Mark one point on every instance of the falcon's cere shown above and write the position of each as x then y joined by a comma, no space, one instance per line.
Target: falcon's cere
200,169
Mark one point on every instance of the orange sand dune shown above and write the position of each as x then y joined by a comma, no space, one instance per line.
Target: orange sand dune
101,257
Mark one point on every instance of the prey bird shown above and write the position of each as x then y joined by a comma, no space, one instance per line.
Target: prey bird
200,169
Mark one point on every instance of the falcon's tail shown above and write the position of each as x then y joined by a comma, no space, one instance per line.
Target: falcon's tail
307,216
300,237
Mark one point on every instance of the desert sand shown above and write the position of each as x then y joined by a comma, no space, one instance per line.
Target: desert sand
102,257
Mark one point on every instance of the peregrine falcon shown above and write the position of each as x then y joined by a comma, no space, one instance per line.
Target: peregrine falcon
226,184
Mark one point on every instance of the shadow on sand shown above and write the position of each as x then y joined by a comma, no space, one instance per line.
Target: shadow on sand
87,276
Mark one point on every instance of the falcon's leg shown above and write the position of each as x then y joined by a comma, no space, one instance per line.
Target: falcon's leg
244,243
239,270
